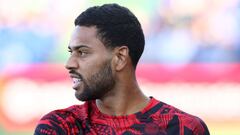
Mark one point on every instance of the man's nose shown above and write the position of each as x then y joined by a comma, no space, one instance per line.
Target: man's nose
71,63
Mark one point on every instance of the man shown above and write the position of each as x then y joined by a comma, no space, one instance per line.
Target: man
105,48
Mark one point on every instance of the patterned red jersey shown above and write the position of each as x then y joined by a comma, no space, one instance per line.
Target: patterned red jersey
157,118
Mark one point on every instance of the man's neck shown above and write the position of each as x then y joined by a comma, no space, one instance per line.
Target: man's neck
123,101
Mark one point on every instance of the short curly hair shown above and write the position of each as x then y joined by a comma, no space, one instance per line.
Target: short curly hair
116,26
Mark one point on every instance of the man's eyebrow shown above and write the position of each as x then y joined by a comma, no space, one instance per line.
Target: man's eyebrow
77,47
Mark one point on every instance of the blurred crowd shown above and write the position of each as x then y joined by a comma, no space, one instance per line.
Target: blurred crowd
176,31
194,31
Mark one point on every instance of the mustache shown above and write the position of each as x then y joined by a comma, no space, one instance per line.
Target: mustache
75,73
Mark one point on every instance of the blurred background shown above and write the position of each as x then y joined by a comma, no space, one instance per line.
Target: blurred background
191,58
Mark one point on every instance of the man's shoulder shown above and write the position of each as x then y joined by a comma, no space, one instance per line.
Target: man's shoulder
177,117
74,111
170,110
62,120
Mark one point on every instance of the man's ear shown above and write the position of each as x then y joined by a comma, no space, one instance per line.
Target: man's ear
121,56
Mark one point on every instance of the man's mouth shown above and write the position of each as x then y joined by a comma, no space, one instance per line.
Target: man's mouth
76,79
76,83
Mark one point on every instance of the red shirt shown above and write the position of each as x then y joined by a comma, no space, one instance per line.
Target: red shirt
157,118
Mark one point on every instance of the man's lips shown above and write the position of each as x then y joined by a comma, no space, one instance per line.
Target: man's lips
76,78
76,82
74,74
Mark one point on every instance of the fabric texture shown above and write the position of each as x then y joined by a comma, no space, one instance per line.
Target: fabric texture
157,118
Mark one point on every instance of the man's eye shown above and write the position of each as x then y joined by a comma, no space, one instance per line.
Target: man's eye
70,51
81,53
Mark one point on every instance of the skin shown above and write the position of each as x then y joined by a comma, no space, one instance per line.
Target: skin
97,66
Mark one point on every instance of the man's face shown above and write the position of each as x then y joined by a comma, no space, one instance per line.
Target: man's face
89,64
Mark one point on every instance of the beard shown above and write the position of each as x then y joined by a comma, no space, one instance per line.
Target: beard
98,84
